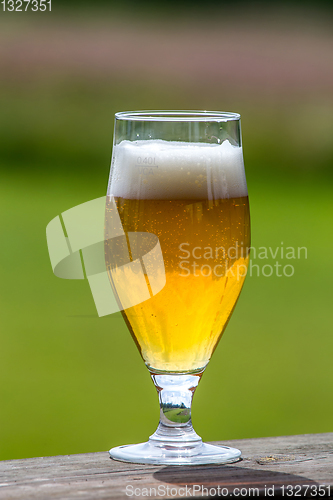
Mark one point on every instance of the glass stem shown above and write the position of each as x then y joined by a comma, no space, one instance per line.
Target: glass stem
175,392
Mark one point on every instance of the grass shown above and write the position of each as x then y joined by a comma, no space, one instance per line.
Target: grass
178,415
72,382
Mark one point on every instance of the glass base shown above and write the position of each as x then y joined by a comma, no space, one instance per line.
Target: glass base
147,453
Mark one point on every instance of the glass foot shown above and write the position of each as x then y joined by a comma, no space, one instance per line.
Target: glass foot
147,453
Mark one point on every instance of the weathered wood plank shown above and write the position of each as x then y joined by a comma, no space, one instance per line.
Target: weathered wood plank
268,462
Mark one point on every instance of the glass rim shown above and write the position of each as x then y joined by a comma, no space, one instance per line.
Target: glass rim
178,115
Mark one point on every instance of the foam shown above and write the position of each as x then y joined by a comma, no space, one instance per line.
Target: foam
159,169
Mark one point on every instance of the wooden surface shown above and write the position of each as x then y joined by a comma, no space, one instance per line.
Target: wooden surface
276,462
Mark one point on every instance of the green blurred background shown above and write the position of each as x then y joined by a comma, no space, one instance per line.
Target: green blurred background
71,382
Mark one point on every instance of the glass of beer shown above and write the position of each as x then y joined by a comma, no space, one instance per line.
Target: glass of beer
178,191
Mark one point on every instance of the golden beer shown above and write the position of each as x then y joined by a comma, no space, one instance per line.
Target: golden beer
204,243
204,248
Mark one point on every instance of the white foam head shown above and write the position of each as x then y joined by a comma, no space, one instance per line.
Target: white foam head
159,169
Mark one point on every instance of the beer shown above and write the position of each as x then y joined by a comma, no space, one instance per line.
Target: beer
193,197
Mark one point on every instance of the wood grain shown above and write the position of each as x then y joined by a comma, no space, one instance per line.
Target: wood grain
266,463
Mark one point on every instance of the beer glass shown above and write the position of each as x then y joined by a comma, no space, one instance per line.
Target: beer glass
178,177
